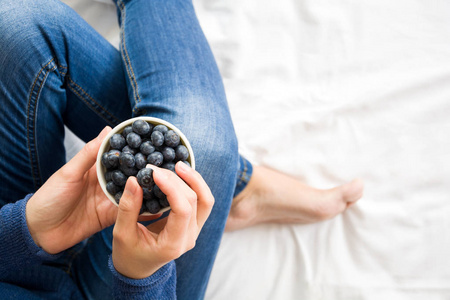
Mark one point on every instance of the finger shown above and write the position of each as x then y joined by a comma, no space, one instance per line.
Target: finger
198,184
129,206
193,225
87,156
179,196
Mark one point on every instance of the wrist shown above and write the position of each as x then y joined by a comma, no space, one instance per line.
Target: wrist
133,269
161,284
30,223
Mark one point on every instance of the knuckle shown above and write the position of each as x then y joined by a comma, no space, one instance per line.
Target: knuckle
126,204
170,175
191,197
173,253
185,212
192,244
66,171
209,201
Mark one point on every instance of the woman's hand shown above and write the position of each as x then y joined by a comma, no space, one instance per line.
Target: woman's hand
139,251
71,205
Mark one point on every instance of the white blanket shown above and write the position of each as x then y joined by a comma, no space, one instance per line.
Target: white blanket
327,91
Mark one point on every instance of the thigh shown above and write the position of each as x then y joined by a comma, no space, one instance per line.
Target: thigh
172,74
55,71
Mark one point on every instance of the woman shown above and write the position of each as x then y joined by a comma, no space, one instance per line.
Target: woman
56,71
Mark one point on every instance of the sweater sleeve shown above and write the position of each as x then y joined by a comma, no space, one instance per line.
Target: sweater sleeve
160,285
17,248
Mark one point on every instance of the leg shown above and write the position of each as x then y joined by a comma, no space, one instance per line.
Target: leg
56,71
273,197
171,74
51,76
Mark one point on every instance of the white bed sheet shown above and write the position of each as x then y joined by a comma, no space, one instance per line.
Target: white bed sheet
327,91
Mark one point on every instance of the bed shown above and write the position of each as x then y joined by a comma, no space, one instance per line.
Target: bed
327,91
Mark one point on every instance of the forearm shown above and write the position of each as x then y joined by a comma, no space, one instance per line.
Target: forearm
160,285
17,248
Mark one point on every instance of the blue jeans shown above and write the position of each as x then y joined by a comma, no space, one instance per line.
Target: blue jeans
56,70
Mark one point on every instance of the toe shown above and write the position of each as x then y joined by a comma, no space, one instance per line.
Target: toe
353,191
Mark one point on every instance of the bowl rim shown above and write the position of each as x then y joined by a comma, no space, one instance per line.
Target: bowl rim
105,143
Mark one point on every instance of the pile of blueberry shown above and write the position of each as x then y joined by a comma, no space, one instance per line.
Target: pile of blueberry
140,144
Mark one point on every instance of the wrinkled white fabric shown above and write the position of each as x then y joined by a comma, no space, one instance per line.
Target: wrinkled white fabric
327,91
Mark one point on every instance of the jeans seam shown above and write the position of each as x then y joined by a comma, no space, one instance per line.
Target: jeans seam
126,58
89,98
31,122
91,103
63,73
243,178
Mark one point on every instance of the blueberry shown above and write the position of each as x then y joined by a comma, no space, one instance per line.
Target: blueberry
147,194
126,131
169,166
157,138
108,176
156,158
159,148
128,171
117,197
163,201
147,148
161,128
158,193
149,134
129,150
127,159
171,138
105,161
119,178
145,177
168,153
113,158
181,152
152,206
117,141
141,127
112,188
134,140
141,160
186,162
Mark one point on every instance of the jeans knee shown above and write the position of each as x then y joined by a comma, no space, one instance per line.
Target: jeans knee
205,120
215,149
24,23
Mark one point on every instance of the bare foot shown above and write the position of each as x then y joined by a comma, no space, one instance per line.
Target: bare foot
273,197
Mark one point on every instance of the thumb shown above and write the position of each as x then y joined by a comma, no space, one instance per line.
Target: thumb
129,205
85,159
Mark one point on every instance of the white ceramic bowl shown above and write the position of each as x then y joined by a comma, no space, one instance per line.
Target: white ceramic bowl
105,147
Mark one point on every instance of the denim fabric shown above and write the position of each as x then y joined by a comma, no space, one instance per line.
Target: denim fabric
245,171
56,70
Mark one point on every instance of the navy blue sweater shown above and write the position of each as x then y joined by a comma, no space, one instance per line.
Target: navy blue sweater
22,274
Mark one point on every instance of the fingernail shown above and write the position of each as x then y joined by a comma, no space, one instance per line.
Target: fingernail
184,167
129,187
157,170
